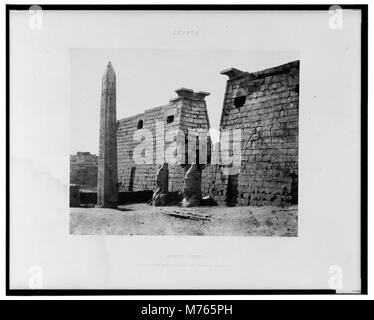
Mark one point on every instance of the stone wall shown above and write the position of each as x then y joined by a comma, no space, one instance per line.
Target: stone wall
265,106
180,115
83,170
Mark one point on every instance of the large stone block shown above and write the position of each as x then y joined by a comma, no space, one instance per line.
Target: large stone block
162,186
192,187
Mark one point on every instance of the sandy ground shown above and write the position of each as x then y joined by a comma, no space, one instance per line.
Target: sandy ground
142,219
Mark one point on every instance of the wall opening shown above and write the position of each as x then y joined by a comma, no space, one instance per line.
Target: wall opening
239,101
132,178
140,124
232,190
170,119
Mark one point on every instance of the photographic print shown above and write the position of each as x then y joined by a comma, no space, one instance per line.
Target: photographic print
169,169
186,149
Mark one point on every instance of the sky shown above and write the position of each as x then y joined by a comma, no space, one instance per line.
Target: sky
147,78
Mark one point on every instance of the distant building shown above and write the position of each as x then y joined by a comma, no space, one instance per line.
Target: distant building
83,170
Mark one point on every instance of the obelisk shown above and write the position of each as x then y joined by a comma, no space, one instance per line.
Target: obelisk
107,193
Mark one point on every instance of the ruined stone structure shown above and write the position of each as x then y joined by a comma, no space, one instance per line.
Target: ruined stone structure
192,187
83,170
107,193
74,197
262,106
182,114
162,186
265,106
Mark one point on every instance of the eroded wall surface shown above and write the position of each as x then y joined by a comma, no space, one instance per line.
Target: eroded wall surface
174,121
265,106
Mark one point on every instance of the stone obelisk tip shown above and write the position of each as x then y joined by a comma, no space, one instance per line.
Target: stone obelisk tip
109,69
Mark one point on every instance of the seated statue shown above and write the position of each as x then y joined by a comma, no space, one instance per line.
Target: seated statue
162,180
192,187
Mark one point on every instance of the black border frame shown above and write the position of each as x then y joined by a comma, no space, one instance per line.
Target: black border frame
230,7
